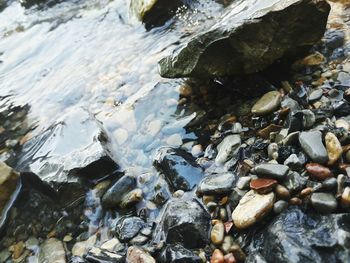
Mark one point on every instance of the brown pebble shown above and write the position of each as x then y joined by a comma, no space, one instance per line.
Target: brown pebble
334,148
282,192
305,192
318,171
217,257
265,133
345,198
263,186
238,253
295,201
18,250
229,258
223,200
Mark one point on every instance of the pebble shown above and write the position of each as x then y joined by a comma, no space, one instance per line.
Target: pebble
272,151
229,258
267,103
263,186
329,184
334,148
217,257
293,162
216,184
318,172
315,95
111,245
311,143
289,103
309,119
295,201
306,192
52,250
274,171
131,198
345,198
313,60
197,150
81,248
227,244
227,147
279,206
32,243
324,202
217,233
243,182
340,184
17,250
238,253
138,255
282,192
251,208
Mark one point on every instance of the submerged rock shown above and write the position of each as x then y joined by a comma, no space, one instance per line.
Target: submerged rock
179,168
75,145
227,148
185,222
248,37
217,184
295,236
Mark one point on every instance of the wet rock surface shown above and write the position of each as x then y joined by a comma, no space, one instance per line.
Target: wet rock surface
206,54
296,236
217,184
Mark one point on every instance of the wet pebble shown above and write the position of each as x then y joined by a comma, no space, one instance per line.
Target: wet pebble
267,103
309,119
111,245
263,186
318,172
345,198
334,148
280,206
275,171
227,147
315,95
52,250
251,208
341,123
217,184
217,257
282,192
243,182
115,194
324,202
311,143
293,162
272,151
229,258
217,233
138,255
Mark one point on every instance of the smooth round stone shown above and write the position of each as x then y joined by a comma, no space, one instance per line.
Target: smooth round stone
340,184
216,184
227,147
309,119
318,172
197,150
243,182
334,148
329,184
229,258
279,206
271,170
282,192
341,123
263,186
311,143
227,244
272,149
324,202
131,198
217,257
267,103
315,95
111,245
251,208
217,233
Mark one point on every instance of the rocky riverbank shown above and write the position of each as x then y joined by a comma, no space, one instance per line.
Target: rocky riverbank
261,173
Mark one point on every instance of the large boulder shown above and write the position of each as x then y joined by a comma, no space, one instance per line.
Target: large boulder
248,37
185,222
295,236
75,145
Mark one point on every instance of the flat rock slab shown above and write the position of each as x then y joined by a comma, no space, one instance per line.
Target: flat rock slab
312,144
248,37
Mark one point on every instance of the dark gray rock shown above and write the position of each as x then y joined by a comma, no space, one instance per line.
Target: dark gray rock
179,168
217,184
128,227
248,37
114,195
311,143
294,182
75,146
324,202
271,170
178,254
295,236
185,222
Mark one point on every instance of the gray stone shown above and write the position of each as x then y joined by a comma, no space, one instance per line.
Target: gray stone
128,227
309,119
217,184
294,182
178,254
293,162
315,95
248,37
227,148
116,193
324,202
185,222
52,250
280,206
271,170
288,102
311,143
243,182
267,103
